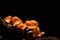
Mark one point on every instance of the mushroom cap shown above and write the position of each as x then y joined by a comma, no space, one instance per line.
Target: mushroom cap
21,26
8,19
16,21
31,23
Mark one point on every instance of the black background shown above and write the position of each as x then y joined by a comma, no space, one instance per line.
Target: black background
25,10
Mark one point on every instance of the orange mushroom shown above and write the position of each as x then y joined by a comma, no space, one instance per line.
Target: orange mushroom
8,19
31,23
37,31
21,26
16,21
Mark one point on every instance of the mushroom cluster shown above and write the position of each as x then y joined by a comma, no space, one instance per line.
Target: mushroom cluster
29,24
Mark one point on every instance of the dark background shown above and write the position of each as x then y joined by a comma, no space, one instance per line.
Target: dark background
25,10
